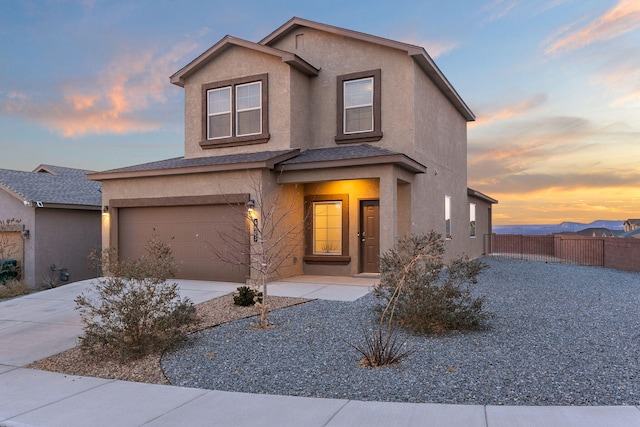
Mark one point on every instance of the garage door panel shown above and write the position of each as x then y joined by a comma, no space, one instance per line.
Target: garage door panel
189,230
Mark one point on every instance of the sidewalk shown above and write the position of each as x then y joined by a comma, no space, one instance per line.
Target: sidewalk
46,323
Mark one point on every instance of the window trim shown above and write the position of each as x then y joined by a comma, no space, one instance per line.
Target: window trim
367,136
447,218
310,257
473,232
234,140
229,111
239,110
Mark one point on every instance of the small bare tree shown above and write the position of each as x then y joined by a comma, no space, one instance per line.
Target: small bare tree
277,225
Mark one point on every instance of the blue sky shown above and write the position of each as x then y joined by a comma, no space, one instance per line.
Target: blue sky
555,85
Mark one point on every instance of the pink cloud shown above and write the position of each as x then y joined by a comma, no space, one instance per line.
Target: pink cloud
517,109
127,88
624,17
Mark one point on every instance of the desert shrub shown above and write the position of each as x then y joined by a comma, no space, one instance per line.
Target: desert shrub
381,348
135,311
247,296
13,288
424,294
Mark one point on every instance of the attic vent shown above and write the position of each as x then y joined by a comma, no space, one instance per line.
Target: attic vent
299,41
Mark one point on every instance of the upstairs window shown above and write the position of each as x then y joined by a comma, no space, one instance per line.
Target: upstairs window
219,113
235,112
249,109
358,106
359,110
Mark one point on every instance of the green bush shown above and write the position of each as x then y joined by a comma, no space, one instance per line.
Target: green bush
424,294
135,311
247,296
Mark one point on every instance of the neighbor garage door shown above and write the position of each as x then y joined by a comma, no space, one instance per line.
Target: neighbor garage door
189,230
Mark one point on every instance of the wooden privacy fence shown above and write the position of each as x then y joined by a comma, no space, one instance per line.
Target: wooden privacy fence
614,252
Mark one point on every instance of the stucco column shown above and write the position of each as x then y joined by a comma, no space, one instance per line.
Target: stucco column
388,211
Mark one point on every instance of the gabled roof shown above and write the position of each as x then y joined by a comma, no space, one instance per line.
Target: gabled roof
180,165
418,53
229,41
350,155
52,185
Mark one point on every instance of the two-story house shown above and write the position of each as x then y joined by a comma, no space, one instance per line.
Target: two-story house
365,134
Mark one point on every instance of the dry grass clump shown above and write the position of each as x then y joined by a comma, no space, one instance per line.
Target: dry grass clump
13,288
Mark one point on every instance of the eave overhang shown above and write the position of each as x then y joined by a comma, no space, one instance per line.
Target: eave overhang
400,160
478,195
193,166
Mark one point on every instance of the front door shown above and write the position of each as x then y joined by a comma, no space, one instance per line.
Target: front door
369,236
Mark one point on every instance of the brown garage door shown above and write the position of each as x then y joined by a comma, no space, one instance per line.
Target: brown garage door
187,229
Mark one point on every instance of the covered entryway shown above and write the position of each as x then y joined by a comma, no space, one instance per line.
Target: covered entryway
189,230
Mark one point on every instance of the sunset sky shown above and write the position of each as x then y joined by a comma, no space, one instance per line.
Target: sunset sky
555,86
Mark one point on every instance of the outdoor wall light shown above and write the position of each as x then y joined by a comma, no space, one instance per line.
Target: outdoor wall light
250,205
105,209
25,234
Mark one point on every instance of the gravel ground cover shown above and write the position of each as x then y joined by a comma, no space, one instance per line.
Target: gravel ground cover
562,335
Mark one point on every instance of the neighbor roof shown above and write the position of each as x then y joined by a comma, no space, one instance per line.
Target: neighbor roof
55,185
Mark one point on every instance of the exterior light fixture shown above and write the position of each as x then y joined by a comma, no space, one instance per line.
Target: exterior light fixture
105,209
25,234
250,205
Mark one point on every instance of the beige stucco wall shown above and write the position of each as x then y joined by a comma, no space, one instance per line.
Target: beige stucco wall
336,55
65,237
236,62
201,184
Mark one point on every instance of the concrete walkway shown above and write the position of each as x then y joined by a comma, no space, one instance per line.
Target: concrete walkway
42,324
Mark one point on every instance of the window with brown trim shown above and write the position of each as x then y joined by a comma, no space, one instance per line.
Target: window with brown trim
327,231
235,112
359,111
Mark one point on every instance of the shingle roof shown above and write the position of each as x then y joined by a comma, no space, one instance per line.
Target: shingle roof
350,155
52,185
345,152
181,162
180,165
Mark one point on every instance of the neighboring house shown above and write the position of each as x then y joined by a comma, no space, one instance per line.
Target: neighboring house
631,224
364,133
634,233
594,232
59,210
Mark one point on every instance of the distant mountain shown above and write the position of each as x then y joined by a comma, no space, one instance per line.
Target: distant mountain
556,228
